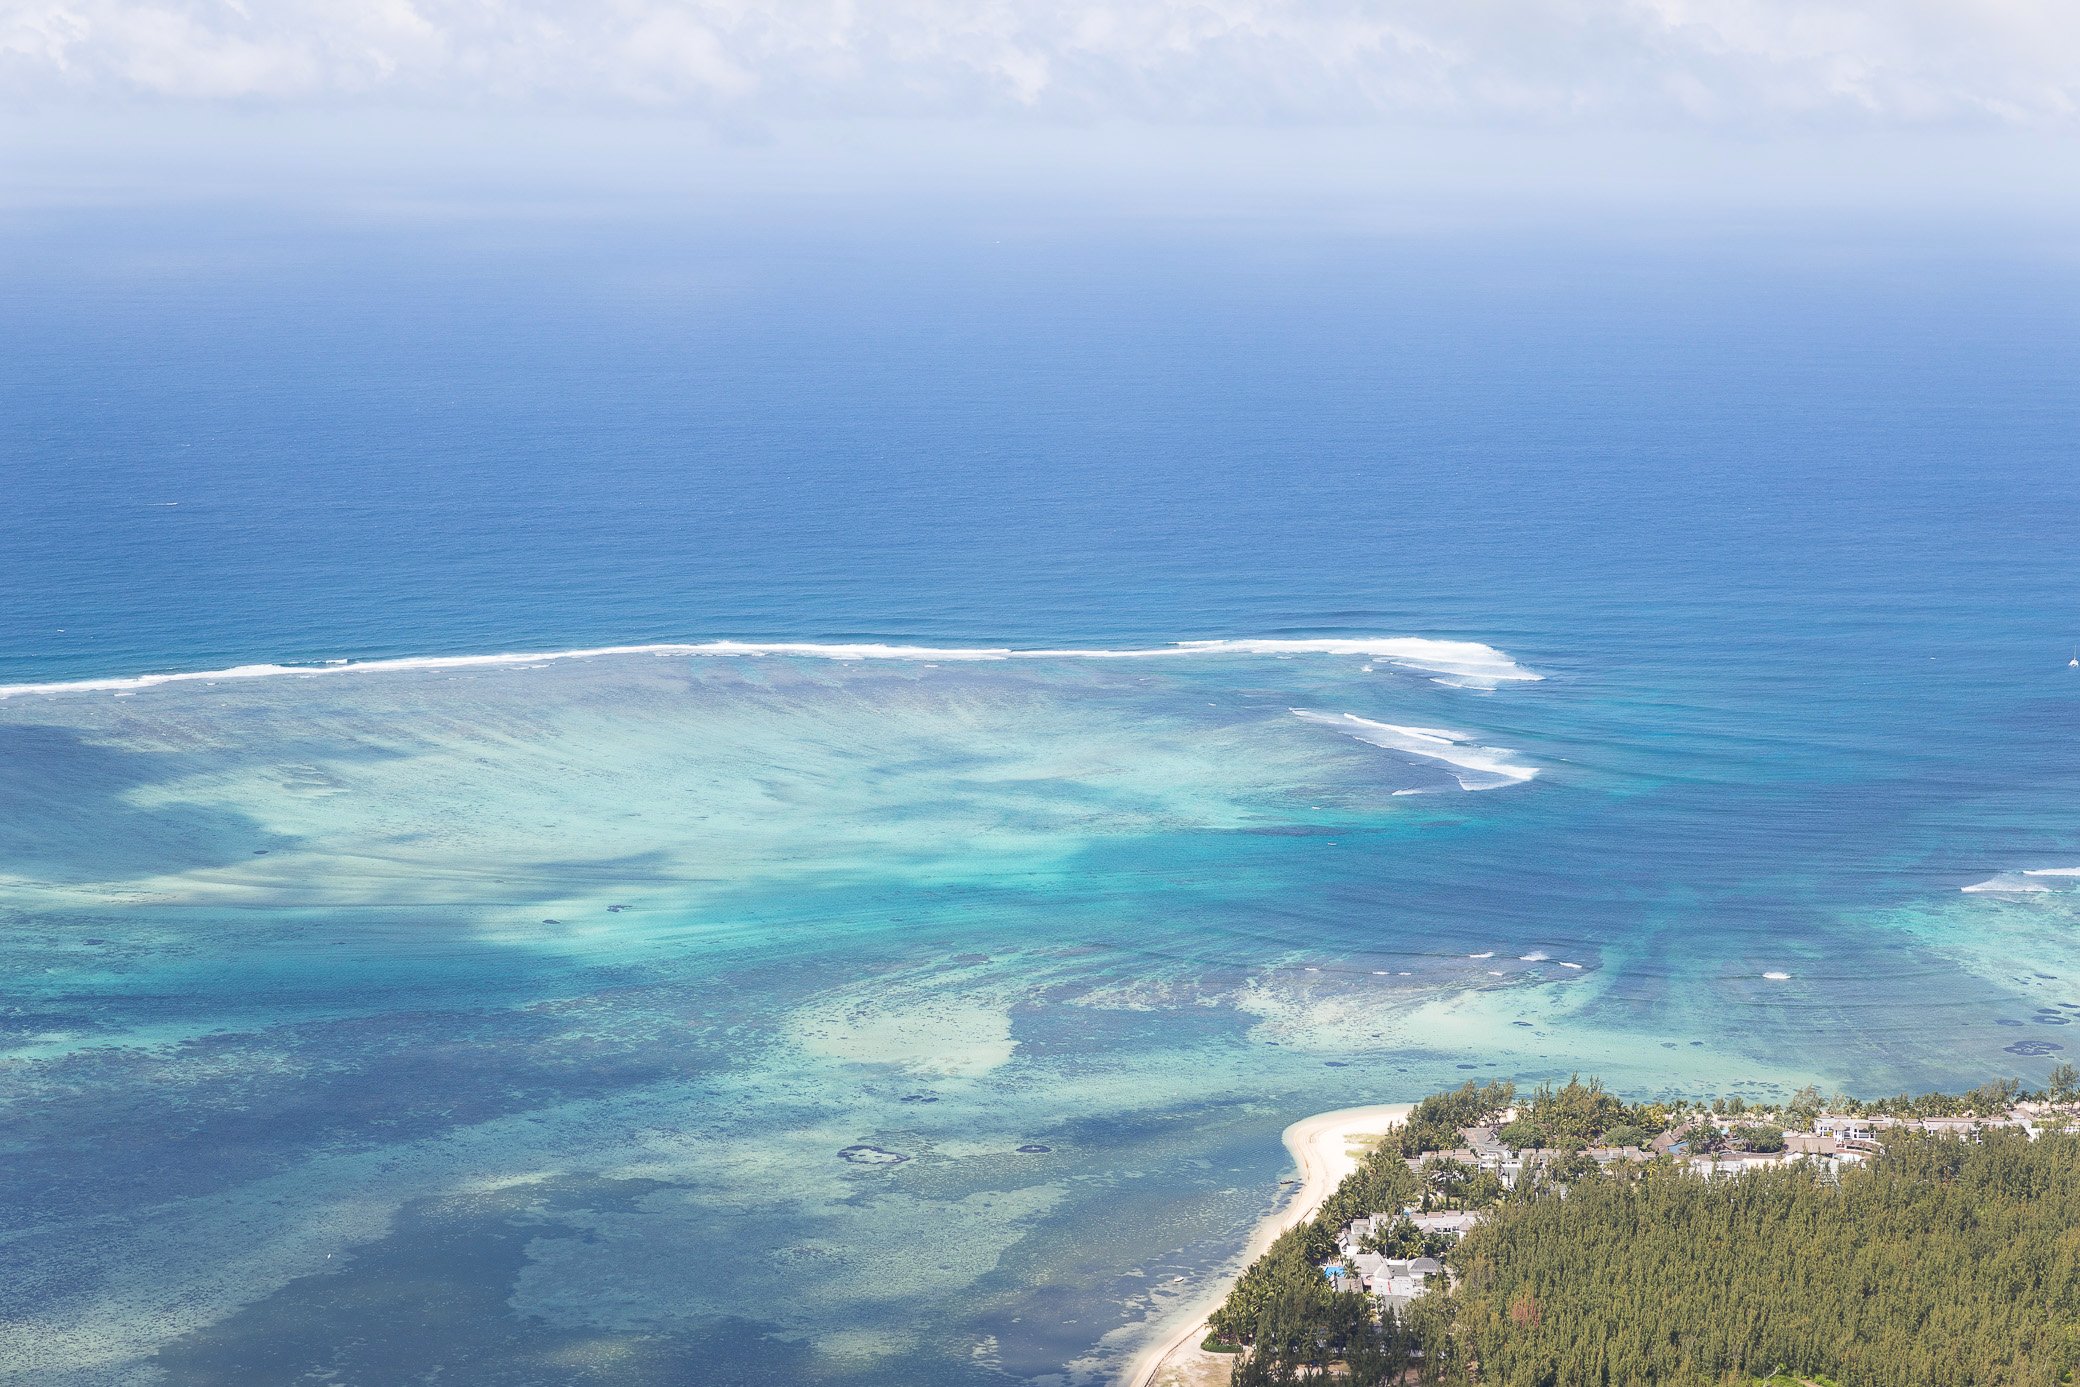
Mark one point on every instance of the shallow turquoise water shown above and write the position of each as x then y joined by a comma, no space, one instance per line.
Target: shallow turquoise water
670,1017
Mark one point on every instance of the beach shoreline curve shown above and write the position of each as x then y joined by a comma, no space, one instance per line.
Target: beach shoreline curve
1321,1150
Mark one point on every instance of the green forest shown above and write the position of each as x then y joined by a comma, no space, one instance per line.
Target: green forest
1945,1262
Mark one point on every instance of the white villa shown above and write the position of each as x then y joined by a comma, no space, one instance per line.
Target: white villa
1394,1281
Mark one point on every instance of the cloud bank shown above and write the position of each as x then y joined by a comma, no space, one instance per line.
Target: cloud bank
1727,64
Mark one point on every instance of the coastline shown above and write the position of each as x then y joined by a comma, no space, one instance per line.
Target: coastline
1321,1148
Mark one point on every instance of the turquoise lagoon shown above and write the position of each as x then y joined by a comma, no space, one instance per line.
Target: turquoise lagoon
855,1005
649,1016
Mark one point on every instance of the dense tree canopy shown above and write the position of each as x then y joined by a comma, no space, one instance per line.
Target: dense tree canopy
1947,1263
1435,1123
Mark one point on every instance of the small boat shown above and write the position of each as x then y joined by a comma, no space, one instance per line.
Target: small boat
2074,663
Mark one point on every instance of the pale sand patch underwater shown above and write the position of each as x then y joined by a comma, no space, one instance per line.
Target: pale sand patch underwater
930,1036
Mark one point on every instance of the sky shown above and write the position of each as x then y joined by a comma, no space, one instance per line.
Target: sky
1920,104
1748,63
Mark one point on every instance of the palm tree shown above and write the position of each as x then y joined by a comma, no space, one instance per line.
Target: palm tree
1447,1175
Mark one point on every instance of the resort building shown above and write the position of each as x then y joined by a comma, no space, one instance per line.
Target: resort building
1395,1281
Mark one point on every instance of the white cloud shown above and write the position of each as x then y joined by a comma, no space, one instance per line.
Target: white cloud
1717,62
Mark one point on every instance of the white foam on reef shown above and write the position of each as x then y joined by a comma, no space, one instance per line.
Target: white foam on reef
2028,881
1474,767
1460,664
1774,976
1535,956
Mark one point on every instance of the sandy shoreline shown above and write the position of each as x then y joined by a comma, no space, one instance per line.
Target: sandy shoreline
1322,1148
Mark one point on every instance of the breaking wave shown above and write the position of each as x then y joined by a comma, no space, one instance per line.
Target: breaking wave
1475,767
2024,882
1459,664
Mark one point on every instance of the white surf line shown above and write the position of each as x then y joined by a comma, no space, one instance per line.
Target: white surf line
1321,1149
1474,767
1458,663
2027,881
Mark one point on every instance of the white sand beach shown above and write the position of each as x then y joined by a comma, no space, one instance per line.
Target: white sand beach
1326,1148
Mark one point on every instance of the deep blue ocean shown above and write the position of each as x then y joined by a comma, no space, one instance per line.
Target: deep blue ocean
488,439
659,1018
